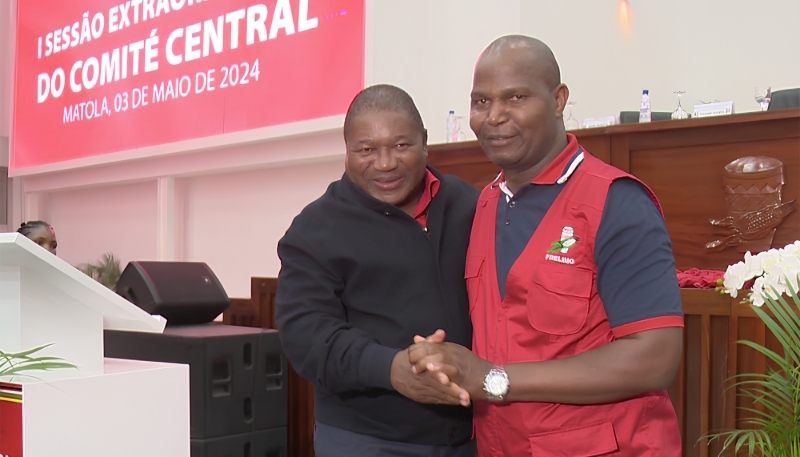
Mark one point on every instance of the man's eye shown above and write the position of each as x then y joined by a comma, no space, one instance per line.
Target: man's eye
518,97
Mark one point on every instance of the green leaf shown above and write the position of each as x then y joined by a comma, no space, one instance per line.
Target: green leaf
107,271
25,353
555,247
20,363
769,353
774,425
41,367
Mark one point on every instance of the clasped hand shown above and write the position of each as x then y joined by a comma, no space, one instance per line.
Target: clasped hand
425,386
451,364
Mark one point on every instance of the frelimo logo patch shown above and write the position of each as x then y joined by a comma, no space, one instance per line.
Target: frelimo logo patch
568,239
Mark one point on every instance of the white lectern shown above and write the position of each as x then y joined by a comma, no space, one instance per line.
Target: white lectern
104,407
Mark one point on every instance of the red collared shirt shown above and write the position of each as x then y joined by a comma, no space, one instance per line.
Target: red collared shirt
431,188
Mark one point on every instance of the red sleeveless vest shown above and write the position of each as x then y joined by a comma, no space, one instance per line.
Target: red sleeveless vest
552,310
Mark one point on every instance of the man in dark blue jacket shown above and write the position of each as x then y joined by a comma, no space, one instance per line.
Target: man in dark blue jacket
378,259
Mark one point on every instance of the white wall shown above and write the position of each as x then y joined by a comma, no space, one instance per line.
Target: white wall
247,194
712,49
90,222
7,30
7,27
429,49
233,221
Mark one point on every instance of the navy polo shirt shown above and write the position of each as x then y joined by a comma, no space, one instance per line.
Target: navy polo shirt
636,276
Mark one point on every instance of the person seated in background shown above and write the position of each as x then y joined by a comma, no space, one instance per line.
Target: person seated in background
377,259
41,233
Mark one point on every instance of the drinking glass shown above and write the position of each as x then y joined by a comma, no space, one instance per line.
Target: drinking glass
763,96
459,122
570,123
680,113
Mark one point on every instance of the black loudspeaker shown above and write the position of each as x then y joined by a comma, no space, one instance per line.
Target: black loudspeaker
237,375
266,443
184,293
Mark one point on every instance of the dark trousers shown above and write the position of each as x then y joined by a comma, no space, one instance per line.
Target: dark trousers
336,442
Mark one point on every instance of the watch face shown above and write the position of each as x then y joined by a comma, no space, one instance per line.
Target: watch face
496,384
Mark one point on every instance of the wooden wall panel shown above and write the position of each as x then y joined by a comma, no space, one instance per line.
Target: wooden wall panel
713,130
262,293
748,361
677,392
620,153
300,432
717,419
598,145
465,160
688,183
241,312
704,363
694,390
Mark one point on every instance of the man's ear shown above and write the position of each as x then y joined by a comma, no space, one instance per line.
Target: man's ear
562,95
425,141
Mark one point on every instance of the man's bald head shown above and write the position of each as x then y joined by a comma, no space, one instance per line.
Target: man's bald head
517,107
530,52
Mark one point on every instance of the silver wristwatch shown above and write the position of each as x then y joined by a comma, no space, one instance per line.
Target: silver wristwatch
495,384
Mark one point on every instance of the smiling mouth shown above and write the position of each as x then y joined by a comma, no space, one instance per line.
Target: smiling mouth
500,140
390,184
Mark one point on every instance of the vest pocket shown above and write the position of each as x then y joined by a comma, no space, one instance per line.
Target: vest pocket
558,301
589,441
472,275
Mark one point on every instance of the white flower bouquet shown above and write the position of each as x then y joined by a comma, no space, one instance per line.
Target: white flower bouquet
772,428
775,272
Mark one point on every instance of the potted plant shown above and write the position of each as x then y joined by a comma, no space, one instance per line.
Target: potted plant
106,271
773,430
22,363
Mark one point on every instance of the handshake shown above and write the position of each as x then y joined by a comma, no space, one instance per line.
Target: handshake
438,372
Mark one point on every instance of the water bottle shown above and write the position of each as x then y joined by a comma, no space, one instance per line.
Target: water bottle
452,128
644,109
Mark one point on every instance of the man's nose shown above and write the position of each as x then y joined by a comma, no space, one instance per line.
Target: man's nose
498,113
386,160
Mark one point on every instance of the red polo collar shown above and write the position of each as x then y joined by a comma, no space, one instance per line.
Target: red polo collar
431,188
560,169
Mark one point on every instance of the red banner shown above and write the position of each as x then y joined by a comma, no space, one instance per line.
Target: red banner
10,420
99,76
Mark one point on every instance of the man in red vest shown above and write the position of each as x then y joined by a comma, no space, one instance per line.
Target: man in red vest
573,294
